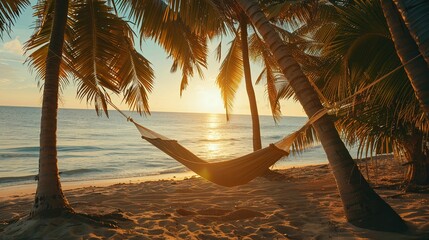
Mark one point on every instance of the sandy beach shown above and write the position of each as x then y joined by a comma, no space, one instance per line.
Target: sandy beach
299,203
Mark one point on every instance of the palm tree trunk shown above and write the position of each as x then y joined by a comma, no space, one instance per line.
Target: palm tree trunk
49,199
249,86
416,17
362,206
416,154
406,49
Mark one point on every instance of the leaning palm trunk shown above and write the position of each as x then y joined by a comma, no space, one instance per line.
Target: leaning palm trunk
406,49
362,206
416,17
249,87
49,199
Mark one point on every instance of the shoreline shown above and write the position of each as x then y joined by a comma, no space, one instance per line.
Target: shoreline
30,188
300,203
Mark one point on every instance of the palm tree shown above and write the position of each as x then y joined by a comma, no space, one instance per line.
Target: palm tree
363,207
414,14
236,63
407,48
49,197
86,40
387,118
243,22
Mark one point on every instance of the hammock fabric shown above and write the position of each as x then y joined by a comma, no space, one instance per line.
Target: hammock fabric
228,173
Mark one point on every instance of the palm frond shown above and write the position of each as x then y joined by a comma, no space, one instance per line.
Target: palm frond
230,74
359,51
272,94
9,12
303,139
135,75
271,72
158,21
204,17
39,41
98,42
294,13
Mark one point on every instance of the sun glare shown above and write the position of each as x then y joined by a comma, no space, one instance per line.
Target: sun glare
210,102
213,135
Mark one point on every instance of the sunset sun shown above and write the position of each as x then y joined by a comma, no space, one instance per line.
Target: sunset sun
210,101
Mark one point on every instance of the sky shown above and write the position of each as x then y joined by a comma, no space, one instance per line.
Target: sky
19,85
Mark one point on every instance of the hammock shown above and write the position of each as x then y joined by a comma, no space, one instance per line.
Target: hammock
227,173
240,170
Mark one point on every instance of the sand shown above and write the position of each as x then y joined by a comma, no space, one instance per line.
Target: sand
301,203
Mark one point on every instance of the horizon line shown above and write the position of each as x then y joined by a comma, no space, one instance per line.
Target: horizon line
155,111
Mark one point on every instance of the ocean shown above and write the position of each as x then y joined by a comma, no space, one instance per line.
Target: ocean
95,148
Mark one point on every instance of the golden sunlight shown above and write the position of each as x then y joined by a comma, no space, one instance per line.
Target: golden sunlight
213,135
210,101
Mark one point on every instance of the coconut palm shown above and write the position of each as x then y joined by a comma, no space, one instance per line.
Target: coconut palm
84,39
336,38
414,14
88,41
49,197
237,62
388,116
235,65
407,47
363,207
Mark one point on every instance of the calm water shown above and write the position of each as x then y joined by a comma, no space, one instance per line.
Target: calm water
91,147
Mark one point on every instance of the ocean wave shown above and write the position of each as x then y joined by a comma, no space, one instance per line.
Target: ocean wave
18,155
154,165
67,173
174,170
220,140
79,171
275,137
23,149
79,148
17,179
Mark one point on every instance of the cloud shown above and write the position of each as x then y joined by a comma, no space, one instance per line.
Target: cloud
13,46
4,80
3,61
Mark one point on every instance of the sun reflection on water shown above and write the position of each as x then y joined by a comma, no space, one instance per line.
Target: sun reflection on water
213,135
